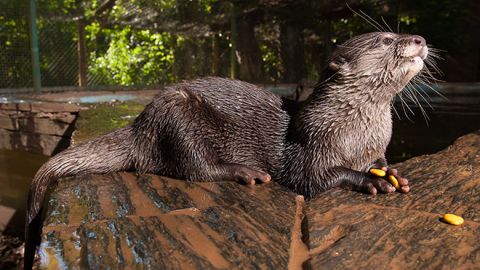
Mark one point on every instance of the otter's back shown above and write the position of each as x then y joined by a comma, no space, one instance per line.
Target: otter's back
239,122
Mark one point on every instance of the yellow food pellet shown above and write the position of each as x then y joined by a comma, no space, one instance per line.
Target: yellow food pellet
453,219
393,180
378,172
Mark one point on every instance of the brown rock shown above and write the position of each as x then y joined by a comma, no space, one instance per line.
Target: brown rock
404,231
15,106
127,220
39,132
64,117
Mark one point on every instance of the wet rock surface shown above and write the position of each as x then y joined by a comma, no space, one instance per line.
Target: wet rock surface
125,220
404,231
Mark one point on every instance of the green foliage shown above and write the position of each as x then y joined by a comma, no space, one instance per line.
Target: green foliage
133,57
146,42
57,6
271,62
15,65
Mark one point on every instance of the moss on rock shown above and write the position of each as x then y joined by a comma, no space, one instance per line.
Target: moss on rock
103,118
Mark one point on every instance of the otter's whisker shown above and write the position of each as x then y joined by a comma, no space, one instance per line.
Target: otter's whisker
367,19
433,54
395,109
405,105
373,21
416,88
435,49
411,89
437,92
431,63
420,82
386,24
411,96
325,80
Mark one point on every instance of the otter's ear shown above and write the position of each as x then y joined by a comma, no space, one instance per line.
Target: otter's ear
336,63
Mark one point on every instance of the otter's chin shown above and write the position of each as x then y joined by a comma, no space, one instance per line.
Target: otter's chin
412,68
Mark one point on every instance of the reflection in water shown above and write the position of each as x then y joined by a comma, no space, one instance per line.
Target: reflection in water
17,169
417,136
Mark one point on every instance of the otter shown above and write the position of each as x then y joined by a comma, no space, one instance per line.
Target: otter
215,129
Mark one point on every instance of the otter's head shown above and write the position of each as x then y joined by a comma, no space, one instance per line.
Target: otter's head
380,58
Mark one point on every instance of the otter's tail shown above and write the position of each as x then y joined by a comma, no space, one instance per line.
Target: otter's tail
108,153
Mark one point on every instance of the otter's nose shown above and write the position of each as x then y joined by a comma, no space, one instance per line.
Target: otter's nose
419,40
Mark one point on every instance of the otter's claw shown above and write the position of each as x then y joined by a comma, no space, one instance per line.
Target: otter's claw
248,176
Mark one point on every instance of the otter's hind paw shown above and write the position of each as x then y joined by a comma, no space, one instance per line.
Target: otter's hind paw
248,175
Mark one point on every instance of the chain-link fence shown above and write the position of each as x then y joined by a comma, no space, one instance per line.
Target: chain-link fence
15,53
75,51
57,46
111,43
58,52
103,44
137,43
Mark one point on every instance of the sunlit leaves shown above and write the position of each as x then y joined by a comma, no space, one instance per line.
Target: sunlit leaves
135,57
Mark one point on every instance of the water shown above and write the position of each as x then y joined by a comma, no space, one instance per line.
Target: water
74,99
17,169
449,119
104,98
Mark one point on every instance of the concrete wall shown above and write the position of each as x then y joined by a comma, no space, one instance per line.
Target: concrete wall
44,128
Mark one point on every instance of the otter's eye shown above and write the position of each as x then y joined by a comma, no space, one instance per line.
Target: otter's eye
387,41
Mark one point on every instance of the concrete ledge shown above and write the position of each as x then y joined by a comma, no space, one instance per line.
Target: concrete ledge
43,128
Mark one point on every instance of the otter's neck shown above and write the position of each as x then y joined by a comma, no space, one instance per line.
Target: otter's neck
339,106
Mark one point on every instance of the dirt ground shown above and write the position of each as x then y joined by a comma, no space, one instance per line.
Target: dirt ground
11,252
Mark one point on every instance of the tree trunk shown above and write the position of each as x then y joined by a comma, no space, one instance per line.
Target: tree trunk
183,68
292,51
215,56
248,52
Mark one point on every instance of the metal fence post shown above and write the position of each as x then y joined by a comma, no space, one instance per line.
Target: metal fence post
233,43
82,54
37,84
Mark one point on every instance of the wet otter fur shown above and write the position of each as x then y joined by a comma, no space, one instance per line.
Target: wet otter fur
215,129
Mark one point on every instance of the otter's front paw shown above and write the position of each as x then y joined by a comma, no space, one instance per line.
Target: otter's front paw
400,183
248,176
373,185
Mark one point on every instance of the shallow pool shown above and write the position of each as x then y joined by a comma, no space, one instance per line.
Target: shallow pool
17,169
